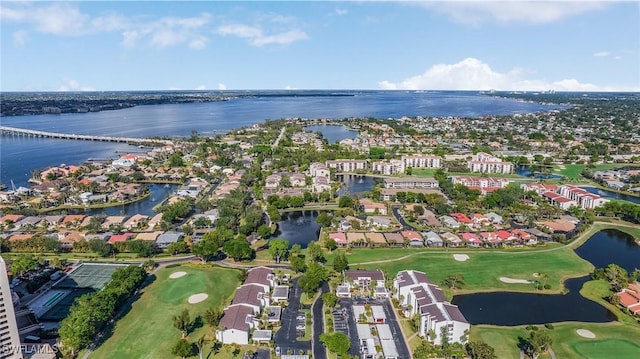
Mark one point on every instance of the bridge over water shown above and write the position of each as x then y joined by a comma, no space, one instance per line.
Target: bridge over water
13,131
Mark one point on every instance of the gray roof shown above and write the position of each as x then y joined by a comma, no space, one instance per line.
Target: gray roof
261,335
235,317
280,291
169,237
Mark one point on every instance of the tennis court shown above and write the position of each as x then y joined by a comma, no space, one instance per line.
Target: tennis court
94,276
54,305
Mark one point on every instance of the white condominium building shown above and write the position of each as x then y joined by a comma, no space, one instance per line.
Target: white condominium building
9,339
422,161
388,167
347,165
486,163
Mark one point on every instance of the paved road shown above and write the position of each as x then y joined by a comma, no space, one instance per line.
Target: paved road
394,325
352,329
319,351
286,336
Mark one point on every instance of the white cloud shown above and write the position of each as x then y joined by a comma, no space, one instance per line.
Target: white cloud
73,85
473,74
475,12
20,37
288,87
67,20
201,87
341,12
602,54
257,36
222,86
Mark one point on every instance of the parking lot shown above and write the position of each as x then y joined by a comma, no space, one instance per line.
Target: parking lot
293,325
345,322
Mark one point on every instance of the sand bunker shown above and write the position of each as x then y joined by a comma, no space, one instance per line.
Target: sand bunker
460,257
585,333
514,281
175,275
197,298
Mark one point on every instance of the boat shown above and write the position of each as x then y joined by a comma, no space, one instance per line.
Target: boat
3,187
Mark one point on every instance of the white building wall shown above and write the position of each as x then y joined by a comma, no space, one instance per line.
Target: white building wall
231,336
9,338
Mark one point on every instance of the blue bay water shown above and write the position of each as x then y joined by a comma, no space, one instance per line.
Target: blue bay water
20,156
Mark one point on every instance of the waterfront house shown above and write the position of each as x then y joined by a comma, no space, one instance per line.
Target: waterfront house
494,218
339,237
148,236
137,220
462,218
630,298
368,206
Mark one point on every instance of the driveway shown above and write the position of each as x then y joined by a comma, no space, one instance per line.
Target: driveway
396,213
319,351
286,336
351,329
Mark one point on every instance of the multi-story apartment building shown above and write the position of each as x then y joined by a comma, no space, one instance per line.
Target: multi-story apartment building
483,184
486,163
347,165
9,338
388,167
422,161
419,296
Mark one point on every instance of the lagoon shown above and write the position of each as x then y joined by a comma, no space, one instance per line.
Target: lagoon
333,133
298,227
355,185
611,195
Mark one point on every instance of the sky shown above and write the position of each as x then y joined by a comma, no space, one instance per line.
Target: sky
395,45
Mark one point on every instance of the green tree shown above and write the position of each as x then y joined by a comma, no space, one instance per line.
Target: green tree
99,247
453,281
330,244
324,219
617,276
424,350
345,202
238,249
177,247
279,249
206,248
182,348
142,248
22,264
212,316
297,263
480,350
337,342
340,262
538,342
330,299
312,279
182,322
315,252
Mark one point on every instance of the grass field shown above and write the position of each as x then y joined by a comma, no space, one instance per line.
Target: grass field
147,330
573,171
613,340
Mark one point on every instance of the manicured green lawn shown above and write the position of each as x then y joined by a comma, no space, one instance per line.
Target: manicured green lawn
613,340
484,268
573,171
147,330
609,348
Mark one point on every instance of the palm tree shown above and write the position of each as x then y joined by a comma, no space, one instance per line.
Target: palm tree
182,322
